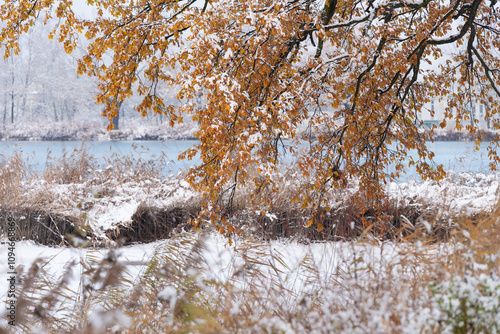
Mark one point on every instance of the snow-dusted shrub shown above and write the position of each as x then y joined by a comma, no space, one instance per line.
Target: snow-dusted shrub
469,304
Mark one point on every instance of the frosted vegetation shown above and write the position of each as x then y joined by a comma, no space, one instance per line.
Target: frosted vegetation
436,271
195,283
133,129
328,244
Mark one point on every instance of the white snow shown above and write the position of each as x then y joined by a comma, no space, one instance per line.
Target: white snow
96,131
169,295
463,193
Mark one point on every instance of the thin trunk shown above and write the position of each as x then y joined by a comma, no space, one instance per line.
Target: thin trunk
12,92
26,83
12,105
23,108
4,114
67,111
488,123
55,111
116,119
472,115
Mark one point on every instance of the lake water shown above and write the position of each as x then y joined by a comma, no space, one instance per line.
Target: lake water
37,151
461,156
457,156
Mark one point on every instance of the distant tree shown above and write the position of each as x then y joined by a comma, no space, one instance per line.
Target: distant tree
10,90
41,83
267,67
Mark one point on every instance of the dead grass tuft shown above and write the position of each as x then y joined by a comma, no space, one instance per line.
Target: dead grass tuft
46,228
73,168
14,170
152,224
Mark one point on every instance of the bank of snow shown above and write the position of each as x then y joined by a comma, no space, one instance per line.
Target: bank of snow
458,193
96,131
112,204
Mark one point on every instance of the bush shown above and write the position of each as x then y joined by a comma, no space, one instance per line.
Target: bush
469,304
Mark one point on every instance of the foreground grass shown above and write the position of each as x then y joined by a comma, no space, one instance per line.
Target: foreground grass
192,283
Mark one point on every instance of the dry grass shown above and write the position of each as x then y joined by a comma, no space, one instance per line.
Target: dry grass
75,167
347,219
151,224
14,169
56,203
51,207
363,286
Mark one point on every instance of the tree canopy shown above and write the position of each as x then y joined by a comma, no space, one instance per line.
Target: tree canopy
356,74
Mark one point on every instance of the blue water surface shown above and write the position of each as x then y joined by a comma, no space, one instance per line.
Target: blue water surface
37,152
458,156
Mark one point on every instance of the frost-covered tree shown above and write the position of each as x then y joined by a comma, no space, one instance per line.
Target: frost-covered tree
357,73
10,87
40,82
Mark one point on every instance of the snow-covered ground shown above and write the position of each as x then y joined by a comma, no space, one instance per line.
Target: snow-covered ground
140,129
458,193
344,287
301,270
112,203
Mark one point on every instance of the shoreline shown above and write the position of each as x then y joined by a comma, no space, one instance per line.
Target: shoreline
91,131
113,207
139,131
